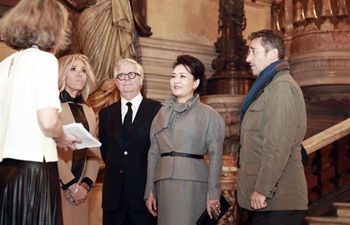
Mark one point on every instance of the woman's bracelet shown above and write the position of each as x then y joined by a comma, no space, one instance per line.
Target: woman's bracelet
76,190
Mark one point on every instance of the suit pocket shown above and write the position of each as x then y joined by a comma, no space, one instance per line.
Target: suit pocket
252,169
254,117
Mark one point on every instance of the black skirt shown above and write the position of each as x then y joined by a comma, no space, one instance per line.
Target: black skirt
29,193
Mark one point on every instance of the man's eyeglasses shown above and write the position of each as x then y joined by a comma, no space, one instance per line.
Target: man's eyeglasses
131,75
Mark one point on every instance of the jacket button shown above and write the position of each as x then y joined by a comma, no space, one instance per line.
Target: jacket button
121,171
125,153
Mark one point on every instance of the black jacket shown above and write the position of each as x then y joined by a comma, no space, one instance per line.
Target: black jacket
126,160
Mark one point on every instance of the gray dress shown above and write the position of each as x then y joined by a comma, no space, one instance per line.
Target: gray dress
181,184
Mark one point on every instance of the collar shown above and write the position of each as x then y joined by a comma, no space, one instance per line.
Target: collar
136,101
264,78
65,97
181,107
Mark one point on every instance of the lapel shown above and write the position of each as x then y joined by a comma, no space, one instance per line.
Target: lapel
116,125
163,118
141,114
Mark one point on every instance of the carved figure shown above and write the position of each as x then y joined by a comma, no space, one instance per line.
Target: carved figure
104,31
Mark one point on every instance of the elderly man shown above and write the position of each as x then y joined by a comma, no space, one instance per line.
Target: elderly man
124,133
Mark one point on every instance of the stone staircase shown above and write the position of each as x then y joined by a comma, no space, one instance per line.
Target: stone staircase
339,214
331,209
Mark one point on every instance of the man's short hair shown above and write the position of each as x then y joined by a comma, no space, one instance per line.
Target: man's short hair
270,39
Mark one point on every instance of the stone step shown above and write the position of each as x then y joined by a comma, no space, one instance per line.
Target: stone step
327,220
343,209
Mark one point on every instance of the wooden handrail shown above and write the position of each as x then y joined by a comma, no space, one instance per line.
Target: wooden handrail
327,136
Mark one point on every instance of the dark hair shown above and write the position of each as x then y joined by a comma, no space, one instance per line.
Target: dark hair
195,67
269,40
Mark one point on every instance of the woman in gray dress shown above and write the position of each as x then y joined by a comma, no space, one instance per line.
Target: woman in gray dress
180,185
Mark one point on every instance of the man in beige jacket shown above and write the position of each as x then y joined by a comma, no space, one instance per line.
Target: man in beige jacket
271,179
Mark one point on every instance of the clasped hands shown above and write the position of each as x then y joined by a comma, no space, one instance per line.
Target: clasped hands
76,193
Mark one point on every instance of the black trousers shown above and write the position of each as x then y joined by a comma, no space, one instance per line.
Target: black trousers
280,217
125,216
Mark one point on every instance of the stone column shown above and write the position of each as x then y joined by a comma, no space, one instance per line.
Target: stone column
231,70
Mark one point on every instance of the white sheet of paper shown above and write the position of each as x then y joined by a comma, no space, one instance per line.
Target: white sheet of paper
78,130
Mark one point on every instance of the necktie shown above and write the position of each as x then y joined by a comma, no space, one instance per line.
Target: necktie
127,120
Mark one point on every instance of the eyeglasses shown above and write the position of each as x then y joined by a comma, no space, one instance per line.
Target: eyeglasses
131,75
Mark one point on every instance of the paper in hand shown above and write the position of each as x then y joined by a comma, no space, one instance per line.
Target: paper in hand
78,130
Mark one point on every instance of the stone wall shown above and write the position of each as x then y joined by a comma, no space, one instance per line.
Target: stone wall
178,27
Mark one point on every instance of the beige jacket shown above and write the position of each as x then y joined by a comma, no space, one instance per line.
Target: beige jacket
270,158
73,214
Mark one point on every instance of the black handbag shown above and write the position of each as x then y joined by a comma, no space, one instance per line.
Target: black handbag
204,219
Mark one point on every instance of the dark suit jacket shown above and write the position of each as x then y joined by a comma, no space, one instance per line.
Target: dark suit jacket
126,160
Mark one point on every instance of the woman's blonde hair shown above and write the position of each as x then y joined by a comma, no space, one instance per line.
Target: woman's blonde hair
43,23
65,63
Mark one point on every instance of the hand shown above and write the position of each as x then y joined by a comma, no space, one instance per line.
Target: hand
68,141
67,195
151,204
78,193
213,206
85,186
257,201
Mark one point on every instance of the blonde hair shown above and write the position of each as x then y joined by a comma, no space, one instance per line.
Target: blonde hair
43,23
65,63
124,62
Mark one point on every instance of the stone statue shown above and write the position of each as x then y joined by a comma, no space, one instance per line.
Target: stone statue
104,31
